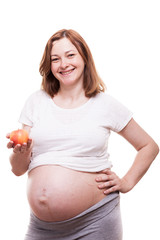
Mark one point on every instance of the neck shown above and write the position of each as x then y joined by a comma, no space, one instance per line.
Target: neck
70,97
72,93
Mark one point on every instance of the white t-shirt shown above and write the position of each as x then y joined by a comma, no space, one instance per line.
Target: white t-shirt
75,138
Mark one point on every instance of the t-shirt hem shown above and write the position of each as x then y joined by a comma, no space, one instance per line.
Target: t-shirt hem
81,169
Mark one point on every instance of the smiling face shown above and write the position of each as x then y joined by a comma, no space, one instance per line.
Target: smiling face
67,65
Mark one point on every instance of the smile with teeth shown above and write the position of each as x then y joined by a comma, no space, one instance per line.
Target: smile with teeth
67,72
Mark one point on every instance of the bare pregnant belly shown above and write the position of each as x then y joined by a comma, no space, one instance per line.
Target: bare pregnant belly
56,193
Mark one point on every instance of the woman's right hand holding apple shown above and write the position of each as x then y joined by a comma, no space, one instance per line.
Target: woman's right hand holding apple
20,158
19,148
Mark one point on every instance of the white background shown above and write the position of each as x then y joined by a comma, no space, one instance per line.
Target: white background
124,37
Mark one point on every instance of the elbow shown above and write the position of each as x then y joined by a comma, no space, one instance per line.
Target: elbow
18,173
155,149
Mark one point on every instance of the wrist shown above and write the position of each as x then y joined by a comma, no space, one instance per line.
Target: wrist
126,185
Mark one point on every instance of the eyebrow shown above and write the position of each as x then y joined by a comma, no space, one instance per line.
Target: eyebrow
65,53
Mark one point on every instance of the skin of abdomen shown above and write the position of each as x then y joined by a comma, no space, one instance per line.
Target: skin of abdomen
56,193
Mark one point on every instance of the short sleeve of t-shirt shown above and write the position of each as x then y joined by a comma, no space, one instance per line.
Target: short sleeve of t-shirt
29,112
117,114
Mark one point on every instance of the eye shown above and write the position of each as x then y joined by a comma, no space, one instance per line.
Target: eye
71,55
54,59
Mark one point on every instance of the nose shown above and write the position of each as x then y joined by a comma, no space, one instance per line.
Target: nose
64,63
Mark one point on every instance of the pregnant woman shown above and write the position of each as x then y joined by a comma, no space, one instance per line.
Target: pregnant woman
72,192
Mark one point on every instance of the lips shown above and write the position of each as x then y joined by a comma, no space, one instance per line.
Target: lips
67,72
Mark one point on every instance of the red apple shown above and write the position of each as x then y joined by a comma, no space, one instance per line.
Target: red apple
19,136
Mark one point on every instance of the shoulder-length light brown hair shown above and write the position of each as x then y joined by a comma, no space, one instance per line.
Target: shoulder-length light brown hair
92,83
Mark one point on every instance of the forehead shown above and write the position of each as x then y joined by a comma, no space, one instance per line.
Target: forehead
61,46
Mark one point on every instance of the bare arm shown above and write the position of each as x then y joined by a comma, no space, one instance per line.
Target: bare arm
147,150
20,157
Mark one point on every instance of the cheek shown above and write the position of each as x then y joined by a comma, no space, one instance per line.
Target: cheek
81,65
78,64
53,69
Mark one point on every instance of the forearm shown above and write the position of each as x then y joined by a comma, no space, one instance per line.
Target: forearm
141,164
20,162
110,182
147,150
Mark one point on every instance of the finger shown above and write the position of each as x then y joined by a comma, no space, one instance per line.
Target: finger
17,148
8,135
105,177
107,171
10,144
110,190
107,184
23,147
29,143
